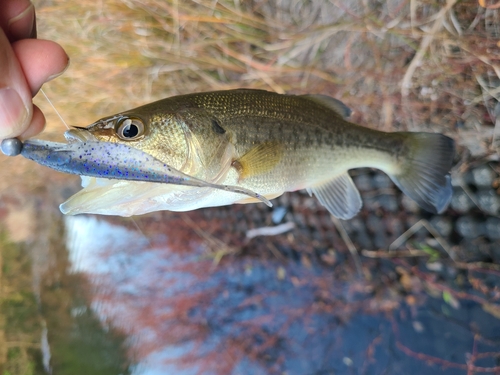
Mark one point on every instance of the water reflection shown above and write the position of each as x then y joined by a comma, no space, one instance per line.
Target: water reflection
181,313
130,281
191,293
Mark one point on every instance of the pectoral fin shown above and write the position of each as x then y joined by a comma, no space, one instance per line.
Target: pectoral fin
259,160
340,196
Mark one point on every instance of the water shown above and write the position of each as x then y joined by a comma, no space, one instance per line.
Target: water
189,293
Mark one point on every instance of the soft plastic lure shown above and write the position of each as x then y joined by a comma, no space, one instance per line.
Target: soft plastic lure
108,160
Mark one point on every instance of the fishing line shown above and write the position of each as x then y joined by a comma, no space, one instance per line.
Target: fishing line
55,109
65,124
142,233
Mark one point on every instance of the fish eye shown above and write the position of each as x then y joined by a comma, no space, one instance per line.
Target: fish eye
130,129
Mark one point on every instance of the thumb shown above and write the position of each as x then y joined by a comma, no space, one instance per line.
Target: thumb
16,108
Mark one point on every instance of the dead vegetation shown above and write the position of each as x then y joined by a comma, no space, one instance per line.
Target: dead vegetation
420,65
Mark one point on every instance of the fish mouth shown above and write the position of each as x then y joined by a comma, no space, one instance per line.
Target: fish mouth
77,134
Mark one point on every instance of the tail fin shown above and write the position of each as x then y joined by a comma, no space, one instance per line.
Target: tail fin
424,173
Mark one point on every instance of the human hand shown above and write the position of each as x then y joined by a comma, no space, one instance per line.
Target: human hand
26,63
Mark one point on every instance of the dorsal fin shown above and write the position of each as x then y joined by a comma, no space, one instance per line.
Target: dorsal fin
332,103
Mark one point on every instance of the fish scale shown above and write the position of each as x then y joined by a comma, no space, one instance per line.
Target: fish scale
234,103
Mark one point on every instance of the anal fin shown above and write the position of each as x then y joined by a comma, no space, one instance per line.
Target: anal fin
339,195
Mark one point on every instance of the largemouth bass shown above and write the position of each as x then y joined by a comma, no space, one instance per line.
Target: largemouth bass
264,142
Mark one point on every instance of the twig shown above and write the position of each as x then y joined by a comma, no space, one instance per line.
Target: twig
472,359
414,228
270,231
424,45
471,196
218,247
436,360
444,362
269,81
483,58
348,242
496,131
393,254
486,94
453,292
490,268
493,93
417,60
275,251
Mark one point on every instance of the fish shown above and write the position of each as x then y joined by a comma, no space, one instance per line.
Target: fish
264,142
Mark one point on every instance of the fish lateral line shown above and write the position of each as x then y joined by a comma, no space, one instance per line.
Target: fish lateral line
115,161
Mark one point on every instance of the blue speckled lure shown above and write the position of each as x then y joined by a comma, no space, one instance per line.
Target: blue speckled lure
108,160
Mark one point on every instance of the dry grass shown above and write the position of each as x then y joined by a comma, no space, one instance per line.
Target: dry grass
421,65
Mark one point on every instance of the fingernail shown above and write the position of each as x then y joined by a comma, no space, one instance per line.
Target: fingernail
14,115
58,74
19,22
